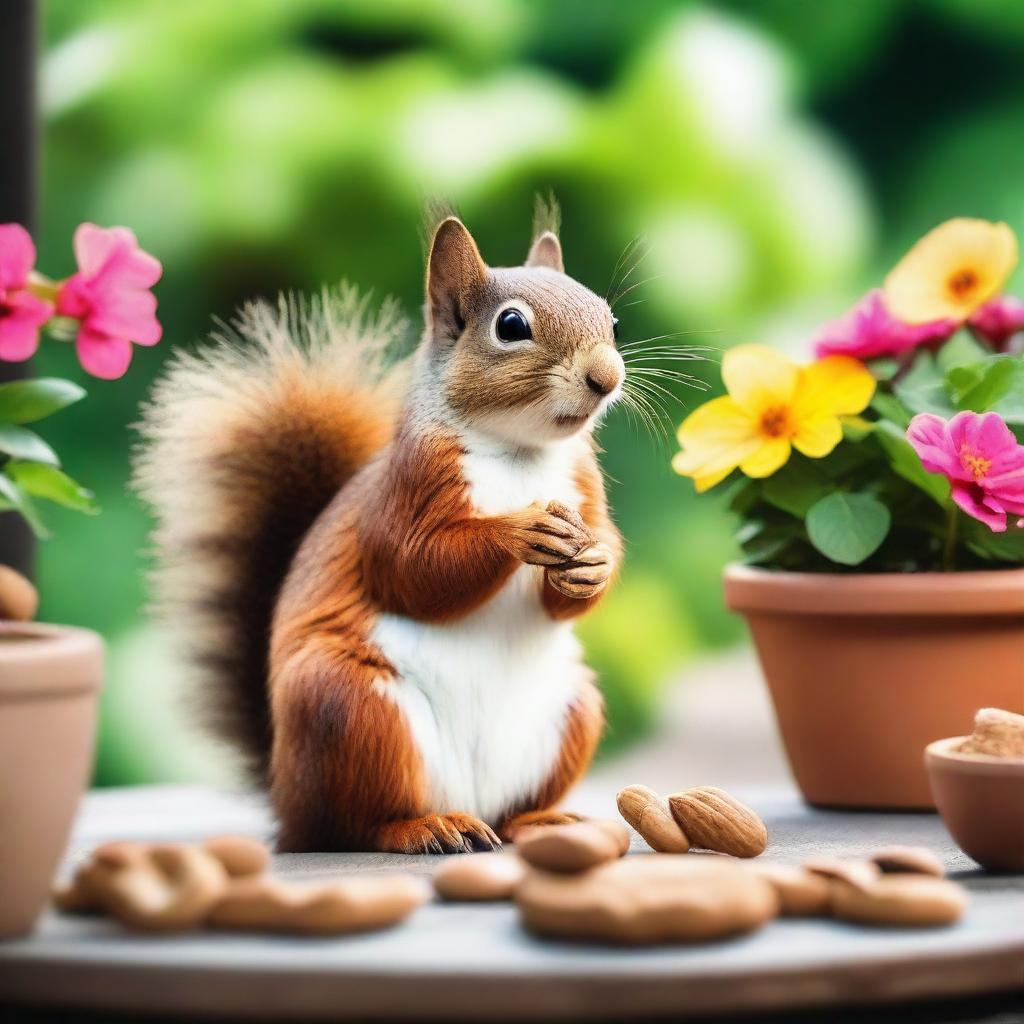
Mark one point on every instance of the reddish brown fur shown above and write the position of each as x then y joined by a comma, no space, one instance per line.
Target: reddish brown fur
402,537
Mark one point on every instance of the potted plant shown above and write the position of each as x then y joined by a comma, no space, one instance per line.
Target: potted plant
880,493
50,675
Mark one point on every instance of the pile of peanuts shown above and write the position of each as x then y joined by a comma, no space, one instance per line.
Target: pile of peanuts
572,881
223,883
569,880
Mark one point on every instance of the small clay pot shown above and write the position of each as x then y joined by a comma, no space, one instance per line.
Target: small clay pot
49,681
981,800
865,670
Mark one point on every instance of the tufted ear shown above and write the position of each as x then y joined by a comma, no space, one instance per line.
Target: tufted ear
455,272
546,251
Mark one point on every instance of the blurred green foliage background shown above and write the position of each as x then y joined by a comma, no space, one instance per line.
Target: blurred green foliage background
777,154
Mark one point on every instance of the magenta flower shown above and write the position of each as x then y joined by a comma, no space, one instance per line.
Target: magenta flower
999,319
21,312
869,330
981,458
110,296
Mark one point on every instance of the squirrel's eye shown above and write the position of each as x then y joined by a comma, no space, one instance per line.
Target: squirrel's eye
512,326
615,328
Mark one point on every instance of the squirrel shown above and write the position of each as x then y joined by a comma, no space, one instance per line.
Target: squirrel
379,568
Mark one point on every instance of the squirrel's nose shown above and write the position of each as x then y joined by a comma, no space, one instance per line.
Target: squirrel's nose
604,371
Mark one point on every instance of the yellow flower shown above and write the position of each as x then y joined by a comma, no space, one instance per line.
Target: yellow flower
773,406
953,270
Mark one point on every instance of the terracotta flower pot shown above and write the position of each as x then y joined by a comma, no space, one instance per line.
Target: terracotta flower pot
981,800
49,680
866,670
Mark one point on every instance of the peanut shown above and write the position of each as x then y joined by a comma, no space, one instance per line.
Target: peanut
714,820
649,814
912,860
572,848
482,877
355,904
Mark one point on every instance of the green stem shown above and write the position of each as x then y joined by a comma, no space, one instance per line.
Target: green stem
42,287
949,549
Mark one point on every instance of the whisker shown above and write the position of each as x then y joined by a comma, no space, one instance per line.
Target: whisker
638,255
674,334
626,254
636,284
672,375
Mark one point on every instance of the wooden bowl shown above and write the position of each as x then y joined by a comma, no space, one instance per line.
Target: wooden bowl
981,800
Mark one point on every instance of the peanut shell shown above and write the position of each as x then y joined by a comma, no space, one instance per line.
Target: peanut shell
714,820
649,814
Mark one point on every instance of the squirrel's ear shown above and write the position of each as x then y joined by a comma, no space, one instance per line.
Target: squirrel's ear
455,271
546,251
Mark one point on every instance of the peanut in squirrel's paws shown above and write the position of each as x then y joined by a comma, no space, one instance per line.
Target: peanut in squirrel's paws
550,536
437,833
586,575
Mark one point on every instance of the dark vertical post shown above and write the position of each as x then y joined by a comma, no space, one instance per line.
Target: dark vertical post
18,171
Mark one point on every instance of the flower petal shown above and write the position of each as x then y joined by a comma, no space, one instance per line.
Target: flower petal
835,385
703,482
969,499
19,337
127,314
928,434
103,357
816,436
999,319
715,438
869,330
770,455
918,289
17,256
113,255
985,435
758,377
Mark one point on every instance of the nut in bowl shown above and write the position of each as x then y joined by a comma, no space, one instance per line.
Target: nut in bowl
978,785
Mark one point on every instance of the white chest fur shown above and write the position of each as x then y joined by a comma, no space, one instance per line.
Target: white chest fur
486,697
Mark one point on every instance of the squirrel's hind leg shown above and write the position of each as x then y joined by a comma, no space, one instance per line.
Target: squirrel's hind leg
343,763
437,833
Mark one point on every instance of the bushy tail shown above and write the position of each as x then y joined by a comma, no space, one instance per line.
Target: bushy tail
244,443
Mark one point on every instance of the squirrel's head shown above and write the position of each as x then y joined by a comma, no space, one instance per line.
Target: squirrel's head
525,354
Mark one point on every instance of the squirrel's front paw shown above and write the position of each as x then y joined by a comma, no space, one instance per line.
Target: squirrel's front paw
552,536
586,575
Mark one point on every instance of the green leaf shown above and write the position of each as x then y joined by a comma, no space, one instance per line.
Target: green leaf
961,350
993,547
25,401
923,389
885,369
20,501
762,542
998,387
20,443
961,380
890,408
905,462
743,495
848,528
796,487
42,481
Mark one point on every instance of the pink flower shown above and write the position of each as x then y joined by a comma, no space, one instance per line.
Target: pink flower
979,455
21,312
110,296
869,330
999,319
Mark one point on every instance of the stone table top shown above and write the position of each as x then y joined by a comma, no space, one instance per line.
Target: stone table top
456,961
